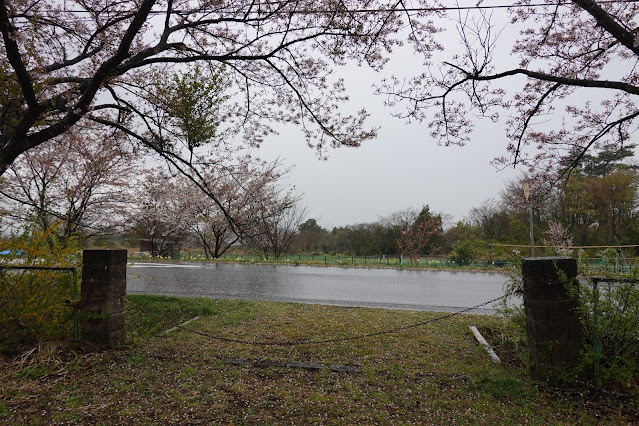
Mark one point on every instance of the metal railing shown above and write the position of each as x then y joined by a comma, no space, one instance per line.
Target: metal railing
334,259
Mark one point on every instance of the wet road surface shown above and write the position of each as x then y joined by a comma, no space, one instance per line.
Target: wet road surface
424,290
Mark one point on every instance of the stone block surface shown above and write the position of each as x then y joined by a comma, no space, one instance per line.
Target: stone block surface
103,290
555,333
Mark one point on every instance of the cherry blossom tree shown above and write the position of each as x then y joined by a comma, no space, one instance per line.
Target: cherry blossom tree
159,217
81,180
559,239
173,211
572,87
65,62
238,189
273,233
208,225
415,238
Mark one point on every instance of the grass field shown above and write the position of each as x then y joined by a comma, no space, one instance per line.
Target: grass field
432,373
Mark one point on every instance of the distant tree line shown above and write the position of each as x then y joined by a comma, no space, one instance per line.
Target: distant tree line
597,205
83,192
372,239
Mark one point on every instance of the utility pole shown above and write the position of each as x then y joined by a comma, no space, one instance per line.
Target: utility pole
530,211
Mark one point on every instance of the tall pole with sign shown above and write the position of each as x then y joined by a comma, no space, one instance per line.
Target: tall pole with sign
530,211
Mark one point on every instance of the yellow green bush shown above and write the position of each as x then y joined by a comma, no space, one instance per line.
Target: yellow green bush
32,300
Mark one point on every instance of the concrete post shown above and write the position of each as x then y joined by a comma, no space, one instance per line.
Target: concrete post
103,289
555,333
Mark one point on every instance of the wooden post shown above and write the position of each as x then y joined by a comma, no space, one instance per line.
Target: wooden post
555,333
103,290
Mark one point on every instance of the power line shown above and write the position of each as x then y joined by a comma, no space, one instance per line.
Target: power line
365,11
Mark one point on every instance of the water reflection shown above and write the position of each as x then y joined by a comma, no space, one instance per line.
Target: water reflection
389,288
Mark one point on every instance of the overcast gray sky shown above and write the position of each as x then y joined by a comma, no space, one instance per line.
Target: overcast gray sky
404,167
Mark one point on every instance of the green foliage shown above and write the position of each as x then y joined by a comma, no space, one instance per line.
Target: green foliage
610,315
310,226
600,209
464,243
364,239
191,102
33,300
606,161
436,241
597,205
312,238
464,252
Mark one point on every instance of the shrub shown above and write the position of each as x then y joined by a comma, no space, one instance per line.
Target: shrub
464,252
33,300
609,312
610,316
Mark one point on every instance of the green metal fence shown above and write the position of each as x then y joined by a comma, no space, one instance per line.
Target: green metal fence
335,259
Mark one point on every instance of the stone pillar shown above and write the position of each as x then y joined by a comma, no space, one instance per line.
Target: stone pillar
555,333
103,290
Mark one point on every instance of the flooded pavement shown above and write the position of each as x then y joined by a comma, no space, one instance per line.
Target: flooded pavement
424,290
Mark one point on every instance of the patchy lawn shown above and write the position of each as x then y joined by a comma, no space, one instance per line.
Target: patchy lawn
432,373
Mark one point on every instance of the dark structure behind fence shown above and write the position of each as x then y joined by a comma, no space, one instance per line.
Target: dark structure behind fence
103,290
555,333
